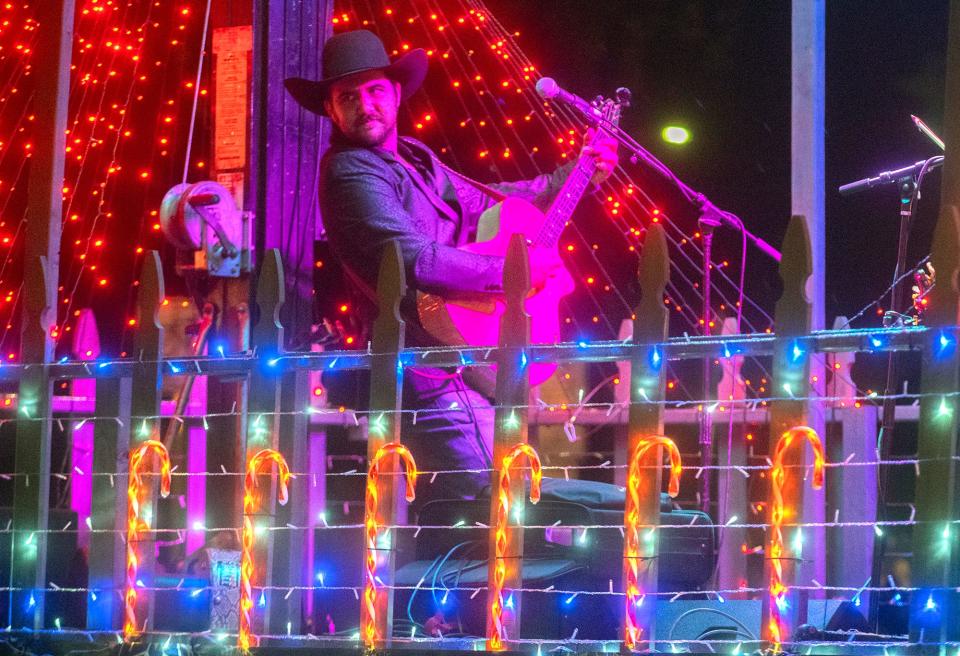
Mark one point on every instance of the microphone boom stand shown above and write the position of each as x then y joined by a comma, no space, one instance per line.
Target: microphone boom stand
708,222
908,180
908,193
711,217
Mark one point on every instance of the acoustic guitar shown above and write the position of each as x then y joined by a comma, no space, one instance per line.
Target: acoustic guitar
477,323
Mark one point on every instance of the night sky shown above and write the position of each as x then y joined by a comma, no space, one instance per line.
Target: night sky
723,70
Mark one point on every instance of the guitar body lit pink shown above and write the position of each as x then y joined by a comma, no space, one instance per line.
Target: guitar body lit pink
482,328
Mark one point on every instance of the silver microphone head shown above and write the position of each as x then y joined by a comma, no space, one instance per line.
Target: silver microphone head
547,88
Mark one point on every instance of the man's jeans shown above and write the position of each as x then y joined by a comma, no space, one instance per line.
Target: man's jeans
447,426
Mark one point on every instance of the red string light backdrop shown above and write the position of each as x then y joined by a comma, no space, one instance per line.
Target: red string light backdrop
133,65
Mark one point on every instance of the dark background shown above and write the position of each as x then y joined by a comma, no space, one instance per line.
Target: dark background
723,70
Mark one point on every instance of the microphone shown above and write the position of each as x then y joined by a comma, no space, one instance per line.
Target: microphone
548,89
889,177
930,134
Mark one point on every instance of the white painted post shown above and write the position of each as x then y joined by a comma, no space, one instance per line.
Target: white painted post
807,200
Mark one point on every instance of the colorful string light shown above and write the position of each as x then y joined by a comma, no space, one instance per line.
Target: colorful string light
251,502
136,494
103,213
631,524
368,621
495,629
778,589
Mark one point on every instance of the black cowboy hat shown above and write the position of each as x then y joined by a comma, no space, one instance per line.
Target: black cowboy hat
355,52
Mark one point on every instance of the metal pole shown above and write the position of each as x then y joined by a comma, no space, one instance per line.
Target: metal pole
707,226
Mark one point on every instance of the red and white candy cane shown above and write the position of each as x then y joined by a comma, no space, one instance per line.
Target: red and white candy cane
256,465
631,525
495,632
371,634
778,590
136,493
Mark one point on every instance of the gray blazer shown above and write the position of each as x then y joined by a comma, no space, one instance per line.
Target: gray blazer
369,197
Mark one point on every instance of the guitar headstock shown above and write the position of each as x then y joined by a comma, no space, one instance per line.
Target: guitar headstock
610,109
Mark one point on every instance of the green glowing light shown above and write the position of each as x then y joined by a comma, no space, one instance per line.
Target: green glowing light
675,134
379,425
944,410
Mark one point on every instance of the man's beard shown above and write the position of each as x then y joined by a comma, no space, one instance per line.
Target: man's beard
370,138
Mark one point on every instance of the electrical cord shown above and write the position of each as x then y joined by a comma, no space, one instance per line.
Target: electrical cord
433,582
739,633
416,588
464,566
692,611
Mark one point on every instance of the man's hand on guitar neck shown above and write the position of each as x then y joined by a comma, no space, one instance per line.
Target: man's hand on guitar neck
604,153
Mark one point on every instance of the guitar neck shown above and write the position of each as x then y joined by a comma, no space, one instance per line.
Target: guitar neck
576,183
566,202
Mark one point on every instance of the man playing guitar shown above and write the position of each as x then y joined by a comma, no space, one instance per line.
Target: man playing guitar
376,187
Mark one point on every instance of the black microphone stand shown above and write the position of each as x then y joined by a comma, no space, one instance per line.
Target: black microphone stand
711,217
708,222
908,180
638,153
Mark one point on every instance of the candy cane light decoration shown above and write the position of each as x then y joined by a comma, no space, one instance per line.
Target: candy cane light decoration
495,632
136,493
371,635
257,464
631,520
778,590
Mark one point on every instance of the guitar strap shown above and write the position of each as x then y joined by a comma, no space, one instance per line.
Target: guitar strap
486,189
